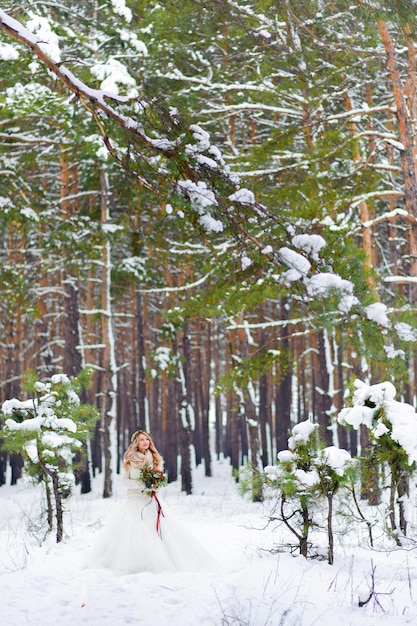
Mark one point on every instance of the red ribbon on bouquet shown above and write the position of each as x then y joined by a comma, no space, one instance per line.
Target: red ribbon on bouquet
159,513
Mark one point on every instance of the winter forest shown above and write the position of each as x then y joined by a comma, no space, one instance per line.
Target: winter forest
209,217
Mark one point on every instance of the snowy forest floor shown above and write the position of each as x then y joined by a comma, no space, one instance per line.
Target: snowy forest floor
44,584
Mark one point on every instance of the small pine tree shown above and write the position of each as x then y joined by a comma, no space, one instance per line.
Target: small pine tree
393,431
304,474
48,431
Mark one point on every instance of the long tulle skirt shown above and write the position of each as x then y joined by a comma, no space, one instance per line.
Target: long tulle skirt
138,539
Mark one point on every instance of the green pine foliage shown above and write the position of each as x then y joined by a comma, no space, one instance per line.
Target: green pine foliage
306,475
48,430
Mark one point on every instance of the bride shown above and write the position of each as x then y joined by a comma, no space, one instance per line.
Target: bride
142,537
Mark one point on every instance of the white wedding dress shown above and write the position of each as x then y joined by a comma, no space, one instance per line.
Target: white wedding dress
139,539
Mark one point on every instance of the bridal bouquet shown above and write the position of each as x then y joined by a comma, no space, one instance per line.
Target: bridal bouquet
153,478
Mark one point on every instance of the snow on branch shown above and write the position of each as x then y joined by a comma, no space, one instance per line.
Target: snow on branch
92,99
253,106
213,193
383,193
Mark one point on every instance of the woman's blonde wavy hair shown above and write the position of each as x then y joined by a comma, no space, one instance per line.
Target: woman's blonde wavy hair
133,448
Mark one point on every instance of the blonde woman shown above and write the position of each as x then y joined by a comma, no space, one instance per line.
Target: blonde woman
143,536
140,454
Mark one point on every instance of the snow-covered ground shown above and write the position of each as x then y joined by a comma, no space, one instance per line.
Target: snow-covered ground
44,584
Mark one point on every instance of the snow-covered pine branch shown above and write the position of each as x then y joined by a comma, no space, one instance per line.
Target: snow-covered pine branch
206,183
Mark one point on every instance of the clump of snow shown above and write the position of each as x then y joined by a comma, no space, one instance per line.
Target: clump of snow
202,197
336,458
356,415
392,352
203,144
285,456
376,407
244,196
323,284
299,265
134,265
202,137
29,213
134,41
307,479
111,74
405,331
378,393
198,193
8,52
245,262
213,157
205,160
120,8
377,312
310,244
162,357
301,433
48,41
58,379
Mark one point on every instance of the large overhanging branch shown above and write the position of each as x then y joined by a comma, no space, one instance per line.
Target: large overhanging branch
203,180
88,96
93,99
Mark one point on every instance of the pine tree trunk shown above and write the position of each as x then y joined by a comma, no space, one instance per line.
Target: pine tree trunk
330,538
370,488
108,365
202,382
283,395
264,397
407,153
185,408
322,391
365,213
140,364
219,434
403,491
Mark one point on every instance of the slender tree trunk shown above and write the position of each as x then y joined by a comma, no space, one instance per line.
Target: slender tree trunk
407,153
219,435
322,390
142,417
283,396
403,491
264,397
185,410
330,538
393,522
108,364
365,213
370,488
203,391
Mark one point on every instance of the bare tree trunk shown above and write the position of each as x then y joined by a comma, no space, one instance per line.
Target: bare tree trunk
108,365
265,417
283,394
140,361
403,491
370,488
407,153
219,445
330,538
203,391
185,409
321,389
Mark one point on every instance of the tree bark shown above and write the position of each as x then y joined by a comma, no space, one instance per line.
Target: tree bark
108,365
407,153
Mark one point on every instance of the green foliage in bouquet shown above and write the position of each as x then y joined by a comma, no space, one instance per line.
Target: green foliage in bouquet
153,478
